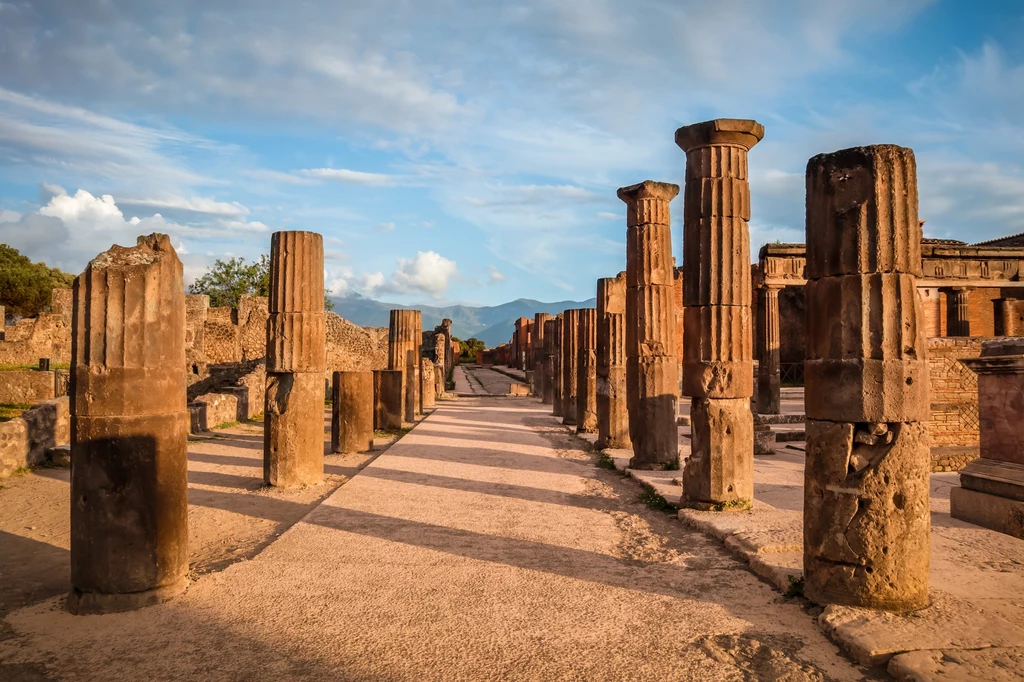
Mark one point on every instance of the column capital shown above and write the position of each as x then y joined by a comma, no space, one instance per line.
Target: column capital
721,131
648,189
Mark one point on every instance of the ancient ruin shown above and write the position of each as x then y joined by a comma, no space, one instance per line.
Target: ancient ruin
557,360
352,412
612,413
550,351
539,352
570,364
586,372
388,399
404,353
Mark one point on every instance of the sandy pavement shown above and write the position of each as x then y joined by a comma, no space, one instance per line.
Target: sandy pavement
483,545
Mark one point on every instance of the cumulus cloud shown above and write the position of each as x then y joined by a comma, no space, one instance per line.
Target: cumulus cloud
427,273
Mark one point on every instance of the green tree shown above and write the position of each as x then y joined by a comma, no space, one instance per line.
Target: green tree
225,282
469,347
25,286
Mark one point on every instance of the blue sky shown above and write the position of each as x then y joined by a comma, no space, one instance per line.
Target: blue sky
469,152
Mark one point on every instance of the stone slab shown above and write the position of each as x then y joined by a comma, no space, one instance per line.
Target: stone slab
994,664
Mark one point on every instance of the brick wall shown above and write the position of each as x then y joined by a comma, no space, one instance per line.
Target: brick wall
26,386
954,391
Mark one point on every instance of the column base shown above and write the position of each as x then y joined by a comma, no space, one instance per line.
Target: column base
91,603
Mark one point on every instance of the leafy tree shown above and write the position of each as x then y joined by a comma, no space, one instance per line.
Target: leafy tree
469,347
225,282
25,286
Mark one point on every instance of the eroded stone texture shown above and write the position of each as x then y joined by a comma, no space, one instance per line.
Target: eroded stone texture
651,364
556,365
388,402
717,343
612,412
551,327
352,412
426,384
129,429
570,364
586,375
769,392
866,510
296,360
404,338
539,354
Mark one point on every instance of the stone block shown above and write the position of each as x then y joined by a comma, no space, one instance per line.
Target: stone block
647,202
718,148
388,399
26,386
995,512
352,409
720,468
296,342
14,446
716,251
649,255
293,439
652,403
764,440
866,390
718,352
296,273
716,196
652,311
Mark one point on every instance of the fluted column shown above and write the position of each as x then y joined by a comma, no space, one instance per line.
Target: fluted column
958,320
1006,317
586,375
866,508
612,414
539,353
551,326
404,338
651,365
129,430
769,396
556,365
718,354
570,364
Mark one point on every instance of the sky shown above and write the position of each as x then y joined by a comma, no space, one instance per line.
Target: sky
456,151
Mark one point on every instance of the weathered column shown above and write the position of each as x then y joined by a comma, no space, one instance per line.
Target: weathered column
570,364
586,374
556,365
718,367
651,365
352,412
426,383
388,399
550,330
612,414
958,321
404,336
866,510
1006,317
293,438
539,353
129,430
769,393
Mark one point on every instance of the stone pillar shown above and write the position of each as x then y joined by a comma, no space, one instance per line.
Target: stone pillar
556,365
129,430
651,364
991,492
718,367
586,374
539,353
293,438
388,400
1006,317
404,336
426,383
958,321
352,412
570,364
866,509
769,394
550,330
612,414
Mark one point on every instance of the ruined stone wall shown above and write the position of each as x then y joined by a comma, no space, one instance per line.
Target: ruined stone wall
954,391
26,386
26,440
354,348
45,336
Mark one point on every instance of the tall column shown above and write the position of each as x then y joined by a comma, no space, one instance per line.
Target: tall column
866,509
539,353
550,329
958,321
570,364
293,438
586,375
352,412
769,396
556,365
129,430
612,415
1006,317
404,336
718,367
388,399
651,365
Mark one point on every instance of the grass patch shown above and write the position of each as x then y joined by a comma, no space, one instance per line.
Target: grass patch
655,501
9,411
605,461
796,587
224,425
674,465
256,418
732,505
388,433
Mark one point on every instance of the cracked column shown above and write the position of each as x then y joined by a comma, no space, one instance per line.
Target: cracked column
586,375
426,384
352,412
293,438
958,321
612,414
404,338
129,430
556,366
718,367
866,509
651,365
550,332
539,354
570,364
769,393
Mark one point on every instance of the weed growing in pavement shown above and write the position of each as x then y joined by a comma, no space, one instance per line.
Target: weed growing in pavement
796,587
655,501
605,461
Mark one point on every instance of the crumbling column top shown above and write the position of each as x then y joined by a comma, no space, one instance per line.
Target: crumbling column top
648,189
738,132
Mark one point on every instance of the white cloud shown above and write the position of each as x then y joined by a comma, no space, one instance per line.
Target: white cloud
384,227
428,272
192,205
349,177
608,215
494,275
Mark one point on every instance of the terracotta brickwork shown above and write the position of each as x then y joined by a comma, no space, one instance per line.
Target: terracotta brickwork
954,391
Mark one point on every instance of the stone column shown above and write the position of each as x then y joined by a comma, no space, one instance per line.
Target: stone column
651,364
769,394
570,364
556,365
426,383
991,492
718,367
612,414
550,330
866,510
293,439
586,374
352,412
958,321
388,400
404,338
129,430
1006,318
539,353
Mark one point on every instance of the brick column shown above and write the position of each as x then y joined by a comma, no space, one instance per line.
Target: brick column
612,415
586,375
129,430
548,370
958,321
651,363
570,364
293,438
866,510
352,412
556,365
718,355
404,338
769,396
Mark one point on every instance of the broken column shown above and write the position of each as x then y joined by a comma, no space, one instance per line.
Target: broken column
612,414
550,330
556,365
539,354
570,364
769,391
426,383
293,439
403,354
866,509
586,373
651,366
352,412
718,367
129,430
388,400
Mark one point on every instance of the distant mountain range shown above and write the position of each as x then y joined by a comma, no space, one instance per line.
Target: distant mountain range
491,324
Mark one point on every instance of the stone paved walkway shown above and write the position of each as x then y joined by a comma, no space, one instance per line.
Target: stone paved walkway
483,545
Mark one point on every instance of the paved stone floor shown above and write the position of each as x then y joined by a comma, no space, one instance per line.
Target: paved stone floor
485,544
